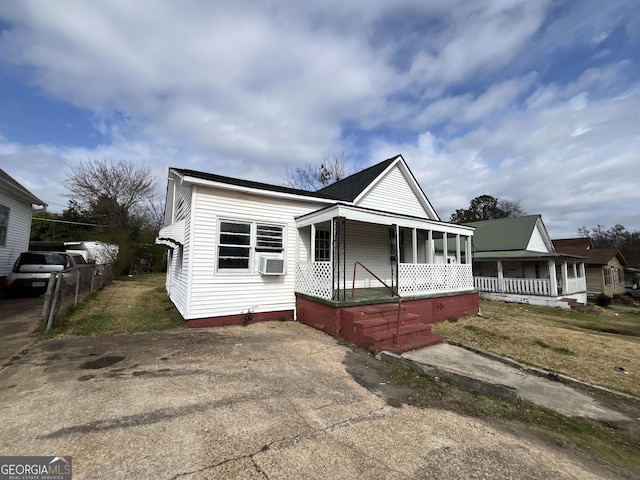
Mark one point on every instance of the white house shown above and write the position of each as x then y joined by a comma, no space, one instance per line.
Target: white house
245,251
16,210
514,260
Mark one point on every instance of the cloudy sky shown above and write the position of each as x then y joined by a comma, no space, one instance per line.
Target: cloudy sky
532,101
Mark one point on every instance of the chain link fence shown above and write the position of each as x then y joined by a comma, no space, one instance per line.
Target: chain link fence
70,287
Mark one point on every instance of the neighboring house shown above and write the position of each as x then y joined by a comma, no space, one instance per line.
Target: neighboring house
514,260
604,266
247,251
16,210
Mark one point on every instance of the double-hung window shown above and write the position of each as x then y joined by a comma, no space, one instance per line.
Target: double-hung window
238,240
4,224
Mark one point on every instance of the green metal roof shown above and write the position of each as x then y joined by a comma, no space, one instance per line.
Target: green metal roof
504,234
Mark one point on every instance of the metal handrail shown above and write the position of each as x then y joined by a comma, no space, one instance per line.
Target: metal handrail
393,293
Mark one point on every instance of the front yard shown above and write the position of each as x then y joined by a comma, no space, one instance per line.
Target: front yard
600,348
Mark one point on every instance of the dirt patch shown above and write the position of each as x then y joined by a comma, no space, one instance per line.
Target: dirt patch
102,362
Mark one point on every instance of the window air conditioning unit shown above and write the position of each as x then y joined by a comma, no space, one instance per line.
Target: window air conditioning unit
270,266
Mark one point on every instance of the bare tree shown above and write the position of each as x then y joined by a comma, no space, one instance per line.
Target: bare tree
314,177
120,188
121,197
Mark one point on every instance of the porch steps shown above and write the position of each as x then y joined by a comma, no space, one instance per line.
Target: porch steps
376,326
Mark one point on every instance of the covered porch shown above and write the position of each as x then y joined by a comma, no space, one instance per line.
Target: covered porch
547,279
411,271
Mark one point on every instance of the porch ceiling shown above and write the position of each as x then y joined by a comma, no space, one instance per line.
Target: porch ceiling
378,217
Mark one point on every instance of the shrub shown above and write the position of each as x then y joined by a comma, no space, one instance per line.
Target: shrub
603,300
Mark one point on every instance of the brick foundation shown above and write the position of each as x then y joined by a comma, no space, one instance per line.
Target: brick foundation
433,310
239,319
327,317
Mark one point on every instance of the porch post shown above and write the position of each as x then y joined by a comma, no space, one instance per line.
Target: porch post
414,244
445,247
429,246
458,249
313,243
564,277
468,253
553,281
500,276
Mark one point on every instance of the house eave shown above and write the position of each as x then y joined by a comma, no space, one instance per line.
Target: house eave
251,190
351,212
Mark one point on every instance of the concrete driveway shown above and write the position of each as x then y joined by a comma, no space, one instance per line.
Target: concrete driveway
18,318
271,400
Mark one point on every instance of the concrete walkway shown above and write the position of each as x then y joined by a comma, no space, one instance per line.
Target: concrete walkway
491,376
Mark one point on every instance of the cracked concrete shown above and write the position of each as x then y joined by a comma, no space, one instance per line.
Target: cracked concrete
271,400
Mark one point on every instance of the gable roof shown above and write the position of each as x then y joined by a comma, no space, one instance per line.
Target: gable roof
579,244
346,190
504,234
584,247
349,188
18,191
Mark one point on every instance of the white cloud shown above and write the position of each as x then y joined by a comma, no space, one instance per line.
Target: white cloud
466,90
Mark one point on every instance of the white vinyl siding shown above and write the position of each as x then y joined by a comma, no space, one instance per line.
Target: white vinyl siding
179,259
17,233
368,244
232,293
536,242
393,194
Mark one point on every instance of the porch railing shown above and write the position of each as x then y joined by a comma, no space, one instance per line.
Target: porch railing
393,292
525,286
575,285
314,279
528,286
421,278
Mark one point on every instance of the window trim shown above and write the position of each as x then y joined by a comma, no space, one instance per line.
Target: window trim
318,248
254,250
4,228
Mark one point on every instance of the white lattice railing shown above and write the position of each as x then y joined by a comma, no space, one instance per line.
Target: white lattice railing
575,285
421,278
315,279
525,286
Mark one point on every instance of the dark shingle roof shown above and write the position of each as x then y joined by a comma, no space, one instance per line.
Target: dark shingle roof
247,183
345,190
595,256
502,234
349,188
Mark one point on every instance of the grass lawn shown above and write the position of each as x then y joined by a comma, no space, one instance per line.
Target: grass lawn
129,305
590,347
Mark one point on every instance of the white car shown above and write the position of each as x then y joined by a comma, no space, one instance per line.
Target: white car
32,270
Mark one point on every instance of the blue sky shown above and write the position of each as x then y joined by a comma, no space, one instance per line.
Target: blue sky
532,101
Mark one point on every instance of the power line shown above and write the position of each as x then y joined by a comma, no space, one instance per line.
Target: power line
66,221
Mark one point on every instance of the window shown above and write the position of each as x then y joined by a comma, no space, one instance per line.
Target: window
234,249
323,246
269,238
4,224
608,280
237,239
